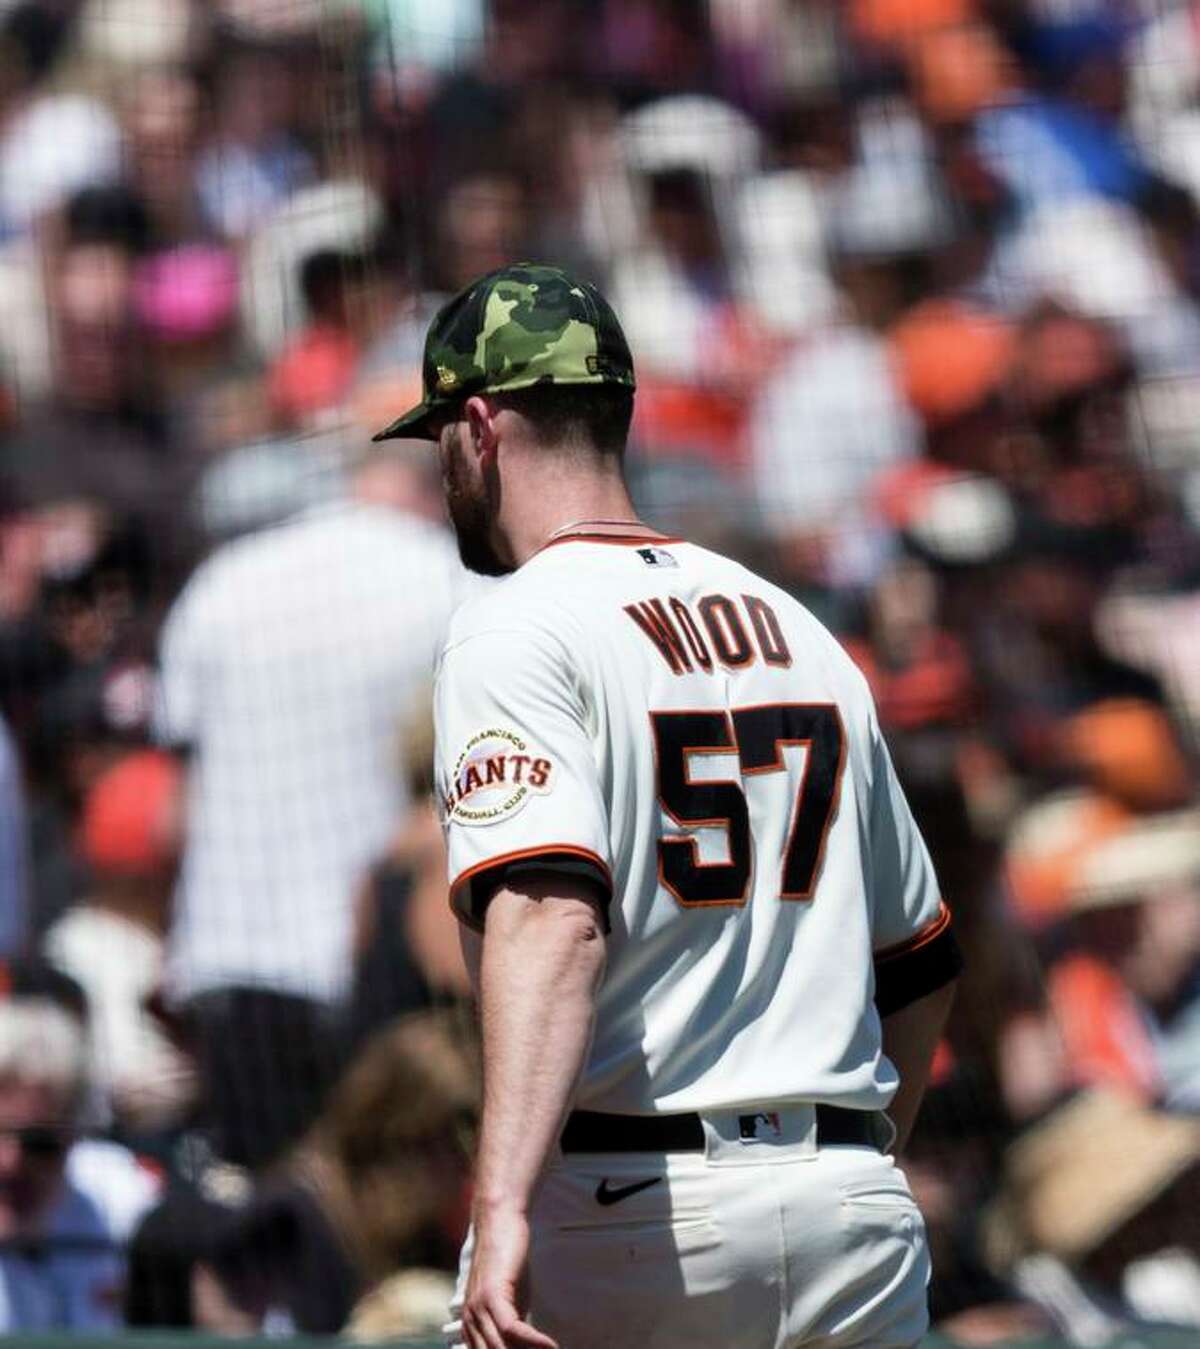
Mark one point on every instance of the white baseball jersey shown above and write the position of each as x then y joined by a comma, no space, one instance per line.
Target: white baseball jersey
660,718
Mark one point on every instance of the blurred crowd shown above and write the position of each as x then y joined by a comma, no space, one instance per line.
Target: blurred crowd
913,288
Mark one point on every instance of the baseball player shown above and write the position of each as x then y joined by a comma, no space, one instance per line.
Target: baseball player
709,950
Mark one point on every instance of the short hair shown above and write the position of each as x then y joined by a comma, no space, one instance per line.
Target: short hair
414,1083
598,415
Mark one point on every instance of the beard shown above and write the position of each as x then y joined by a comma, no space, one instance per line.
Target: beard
470,513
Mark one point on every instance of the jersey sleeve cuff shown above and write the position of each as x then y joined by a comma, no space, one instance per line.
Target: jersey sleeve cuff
917,966
472,889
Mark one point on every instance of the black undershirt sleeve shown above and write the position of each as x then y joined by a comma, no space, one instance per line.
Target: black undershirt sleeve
905,974
473,894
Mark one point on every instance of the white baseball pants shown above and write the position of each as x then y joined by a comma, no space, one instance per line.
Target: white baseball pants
767,1243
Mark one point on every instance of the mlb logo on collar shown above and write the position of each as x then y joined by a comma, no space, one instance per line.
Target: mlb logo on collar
656,557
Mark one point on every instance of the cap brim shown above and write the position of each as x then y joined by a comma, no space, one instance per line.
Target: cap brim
415,424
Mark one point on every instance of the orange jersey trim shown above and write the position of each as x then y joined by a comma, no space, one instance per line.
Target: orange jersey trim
521,855
930,932
626,539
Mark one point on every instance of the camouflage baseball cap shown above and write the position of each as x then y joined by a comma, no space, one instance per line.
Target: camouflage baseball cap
521,325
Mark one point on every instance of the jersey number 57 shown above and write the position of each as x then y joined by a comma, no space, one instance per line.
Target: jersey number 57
758,735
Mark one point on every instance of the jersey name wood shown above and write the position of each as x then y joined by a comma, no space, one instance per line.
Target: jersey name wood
720,632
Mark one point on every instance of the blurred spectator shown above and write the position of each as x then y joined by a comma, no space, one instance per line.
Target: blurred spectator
1158,633
314,371
162,109
474,112
1047,846
780,269
483,222
379,1183
360,1223
407,951
289,665
1136,907
918,672
673,286
99,435
67,1205
253,162
79,687
891,217
112,944
1092,1222
835,417
820,431
60,144
1043,664
340,217
1060,135
1103,1038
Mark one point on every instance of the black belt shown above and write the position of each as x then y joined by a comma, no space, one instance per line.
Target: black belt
590,1131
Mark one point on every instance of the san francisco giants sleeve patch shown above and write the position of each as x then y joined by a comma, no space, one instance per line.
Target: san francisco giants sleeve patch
495,776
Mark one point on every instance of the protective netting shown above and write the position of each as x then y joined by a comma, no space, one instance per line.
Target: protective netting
913,288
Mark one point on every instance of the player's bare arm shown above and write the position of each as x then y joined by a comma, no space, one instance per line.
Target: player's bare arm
910,1036
542,958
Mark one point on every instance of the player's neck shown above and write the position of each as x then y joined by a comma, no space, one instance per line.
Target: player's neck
570,502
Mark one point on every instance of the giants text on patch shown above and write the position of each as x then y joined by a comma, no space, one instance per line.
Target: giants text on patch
494,777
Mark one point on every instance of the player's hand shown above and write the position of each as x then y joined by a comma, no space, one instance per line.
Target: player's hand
491,1315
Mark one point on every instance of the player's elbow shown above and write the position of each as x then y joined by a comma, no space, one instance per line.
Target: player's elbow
573,929
557,921
586,948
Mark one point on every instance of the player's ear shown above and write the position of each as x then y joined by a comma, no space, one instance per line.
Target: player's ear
481,423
